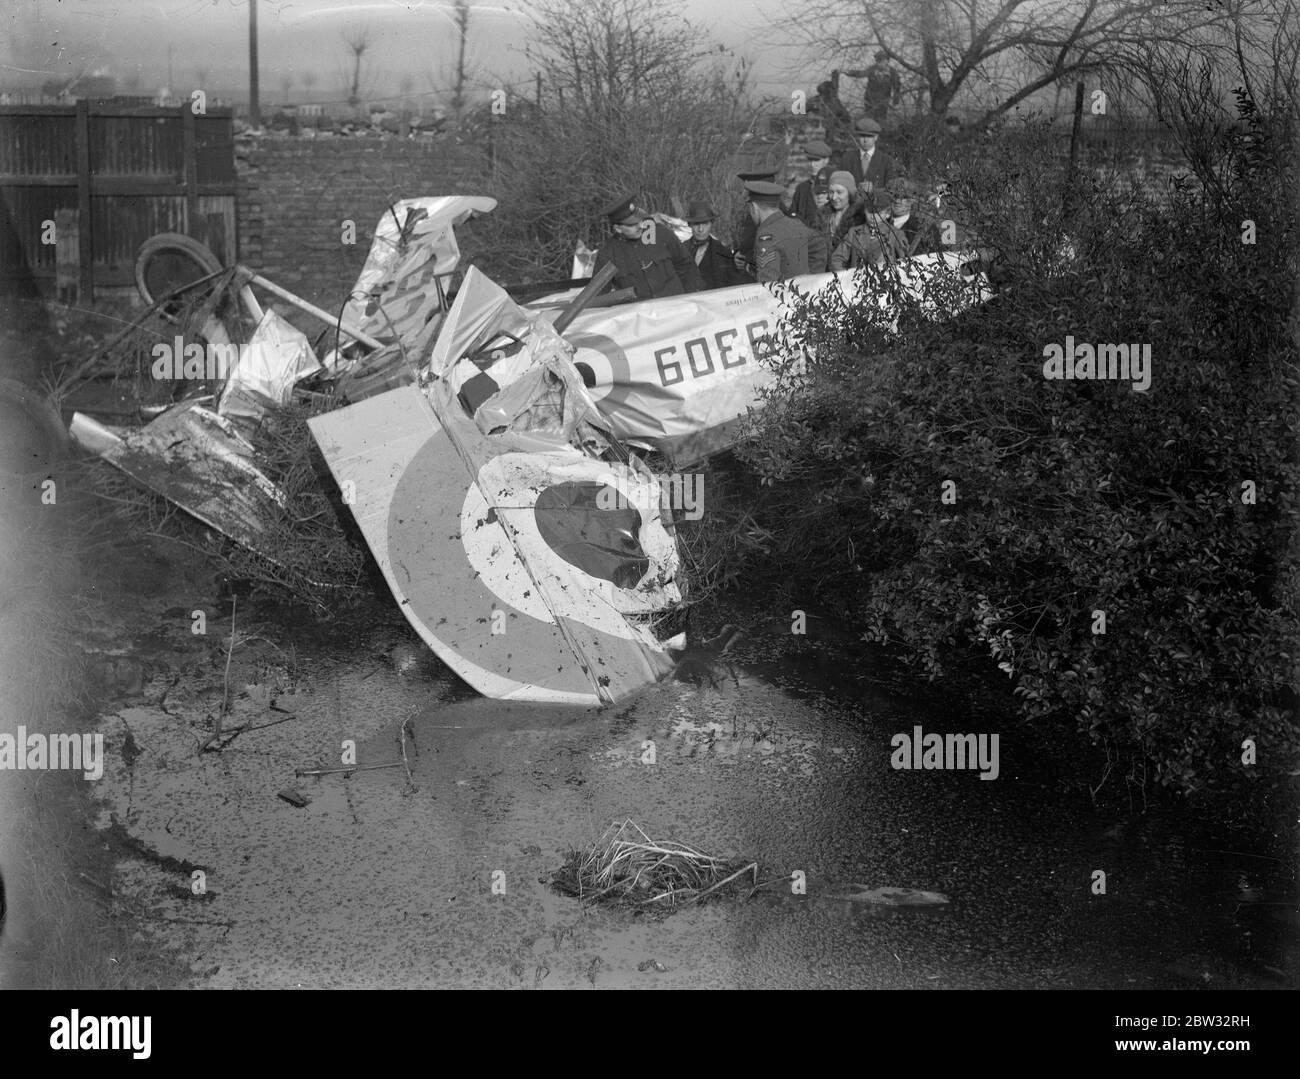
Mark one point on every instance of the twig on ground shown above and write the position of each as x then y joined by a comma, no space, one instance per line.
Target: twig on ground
344,768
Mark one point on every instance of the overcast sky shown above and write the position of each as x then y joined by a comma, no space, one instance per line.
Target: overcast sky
413,39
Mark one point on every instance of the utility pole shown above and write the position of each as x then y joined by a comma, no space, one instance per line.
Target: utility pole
254,110
1071,171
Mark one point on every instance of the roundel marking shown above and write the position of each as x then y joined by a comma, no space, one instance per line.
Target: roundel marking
448,596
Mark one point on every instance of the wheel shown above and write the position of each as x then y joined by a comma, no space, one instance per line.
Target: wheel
170,261
32,436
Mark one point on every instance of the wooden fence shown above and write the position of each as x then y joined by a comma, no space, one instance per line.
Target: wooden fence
120,173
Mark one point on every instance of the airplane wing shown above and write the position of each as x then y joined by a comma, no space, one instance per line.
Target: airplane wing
529,566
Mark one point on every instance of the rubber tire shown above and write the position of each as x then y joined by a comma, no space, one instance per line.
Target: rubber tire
173,243
40,441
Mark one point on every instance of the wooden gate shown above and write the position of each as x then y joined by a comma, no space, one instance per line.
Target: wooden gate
125,171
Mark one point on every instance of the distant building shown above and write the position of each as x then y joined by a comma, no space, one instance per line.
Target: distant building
88,86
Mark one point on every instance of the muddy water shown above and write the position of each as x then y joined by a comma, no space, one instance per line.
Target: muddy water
432,871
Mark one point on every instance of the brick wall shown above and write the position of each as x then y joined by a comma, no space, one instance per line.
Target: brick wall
295,194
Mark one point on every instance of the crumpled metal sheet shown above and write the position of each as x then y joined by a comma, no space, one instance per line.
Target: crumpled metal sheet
196,459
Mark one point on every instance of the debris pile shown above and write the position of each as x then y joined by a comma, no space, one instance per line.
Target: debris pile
626,867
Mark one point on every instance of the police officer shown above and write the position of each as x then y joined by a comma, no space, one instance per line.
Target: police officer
650,259
781,243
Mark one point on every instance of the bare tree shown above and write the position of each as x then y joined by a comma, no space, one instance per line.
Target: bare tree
632,99
603,54
999,52
462,29
358,42
456,88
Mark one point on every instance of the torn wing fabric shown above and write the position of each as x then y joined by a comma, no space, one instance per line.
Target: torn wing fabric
277,356
414,244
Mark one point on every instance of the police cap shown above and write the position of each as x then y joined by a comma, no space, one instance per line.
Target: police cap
626,211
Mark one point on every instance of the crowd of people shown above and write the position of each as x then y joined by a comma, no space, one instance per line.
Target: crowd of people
857,208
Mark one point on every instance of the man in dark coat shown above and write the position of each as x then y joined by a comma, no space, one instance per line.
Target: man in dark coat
919,232
871,167
715,260
650,259
804,204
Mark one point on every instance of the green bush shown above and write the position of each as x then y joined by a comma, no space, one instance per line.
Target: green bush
1072,497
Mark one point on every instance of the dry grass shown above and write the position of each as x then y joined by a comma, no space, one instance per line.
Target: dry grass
627,868
309,556
725,540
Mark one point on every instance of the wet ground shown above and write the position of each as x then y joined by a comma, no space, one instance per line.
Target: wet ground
432,871
208,854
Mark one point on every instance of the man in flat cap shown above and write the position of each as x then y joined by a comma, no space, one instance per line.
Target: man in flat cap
804,203
781,242
715,260
872,168
650,259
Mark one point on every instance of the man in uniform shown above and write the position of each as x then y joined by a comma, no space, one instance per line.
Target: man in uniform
743,233
650,259
781,242
716,261
873,169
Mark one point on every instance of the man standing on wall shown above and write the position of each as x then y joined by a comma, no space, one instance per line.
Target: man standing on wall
884,87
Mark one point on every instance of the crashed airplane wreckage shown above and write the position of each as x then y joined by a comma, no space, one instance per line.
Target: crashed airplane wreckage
483,447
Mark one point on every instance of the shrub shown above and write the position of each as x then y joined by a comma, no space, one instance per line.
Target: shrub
1072,497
